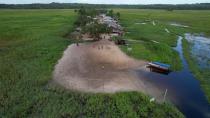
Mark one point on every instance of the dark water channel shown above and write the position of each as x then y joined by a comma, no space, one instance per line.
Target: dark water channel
183,88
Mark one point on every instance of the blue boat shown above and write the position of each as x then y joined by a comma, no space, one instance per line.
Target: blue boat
159,67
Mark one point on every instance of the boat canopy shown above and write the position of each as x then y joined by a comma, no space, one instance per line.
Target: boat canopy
162,64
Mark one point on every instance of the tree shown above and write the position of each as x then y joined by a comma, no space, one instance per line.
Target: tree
110,13
82,11
96,29
118,15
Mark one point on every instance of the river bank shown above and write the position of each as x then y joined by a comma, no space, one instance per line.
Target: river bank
202,74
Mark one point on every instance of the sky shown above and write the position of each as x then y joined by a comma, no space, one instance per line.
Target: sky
107,1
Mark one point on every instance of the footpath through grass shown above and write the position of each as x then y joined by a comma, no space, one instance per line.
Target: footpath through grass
31,43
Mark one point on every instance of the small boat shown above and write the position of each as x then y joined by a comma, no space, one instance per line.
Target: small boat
159,67
120,42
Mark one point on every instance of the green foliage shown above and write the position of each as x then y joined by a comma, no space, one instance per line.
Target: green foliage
118,15
31,43
115,38
85,16
95,29
85,20
103,28
154,52
82,11
113,15
82,20
88,12
110,13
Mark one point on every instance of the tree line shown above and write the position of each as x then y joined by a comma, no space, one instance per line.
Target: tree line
200,6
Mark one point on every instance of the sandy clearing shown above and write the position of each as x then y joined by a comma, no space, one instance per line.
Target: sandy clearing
87,37
101,61
101,67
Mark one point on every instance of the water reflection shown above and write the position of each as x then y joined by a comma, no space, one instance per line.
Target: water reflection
200,49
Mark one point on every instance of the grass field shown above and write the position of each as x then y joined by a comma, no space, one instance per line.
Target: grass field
198,22
31,42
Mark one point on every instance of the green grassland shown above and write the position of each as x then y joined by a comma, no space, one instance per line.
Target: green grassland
148,33
148,50
31,42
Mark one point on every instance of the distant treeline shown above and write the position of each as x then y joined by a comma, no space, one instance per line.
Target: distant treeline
201,6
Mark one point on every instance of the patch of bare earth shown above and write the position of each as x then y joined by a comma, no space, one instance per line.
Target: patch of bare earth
99,67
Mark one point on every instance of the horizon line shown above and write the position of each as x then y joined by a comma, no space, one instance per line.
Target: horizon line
104,3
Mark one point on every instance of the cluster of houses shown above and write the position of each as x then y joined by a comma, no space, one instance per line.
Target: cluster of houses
117,30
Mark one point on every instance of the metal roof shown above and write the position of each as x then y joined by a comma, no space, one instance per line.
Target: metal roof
162,64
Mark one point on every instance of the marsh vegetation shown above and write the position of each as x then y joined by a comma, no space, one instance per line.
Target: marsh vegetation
31,42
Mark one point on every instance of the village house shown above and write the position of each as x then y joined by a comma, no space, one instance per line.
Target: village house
116,28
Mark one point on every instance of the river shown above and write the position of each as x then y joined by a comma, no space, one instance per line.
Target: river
183,88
